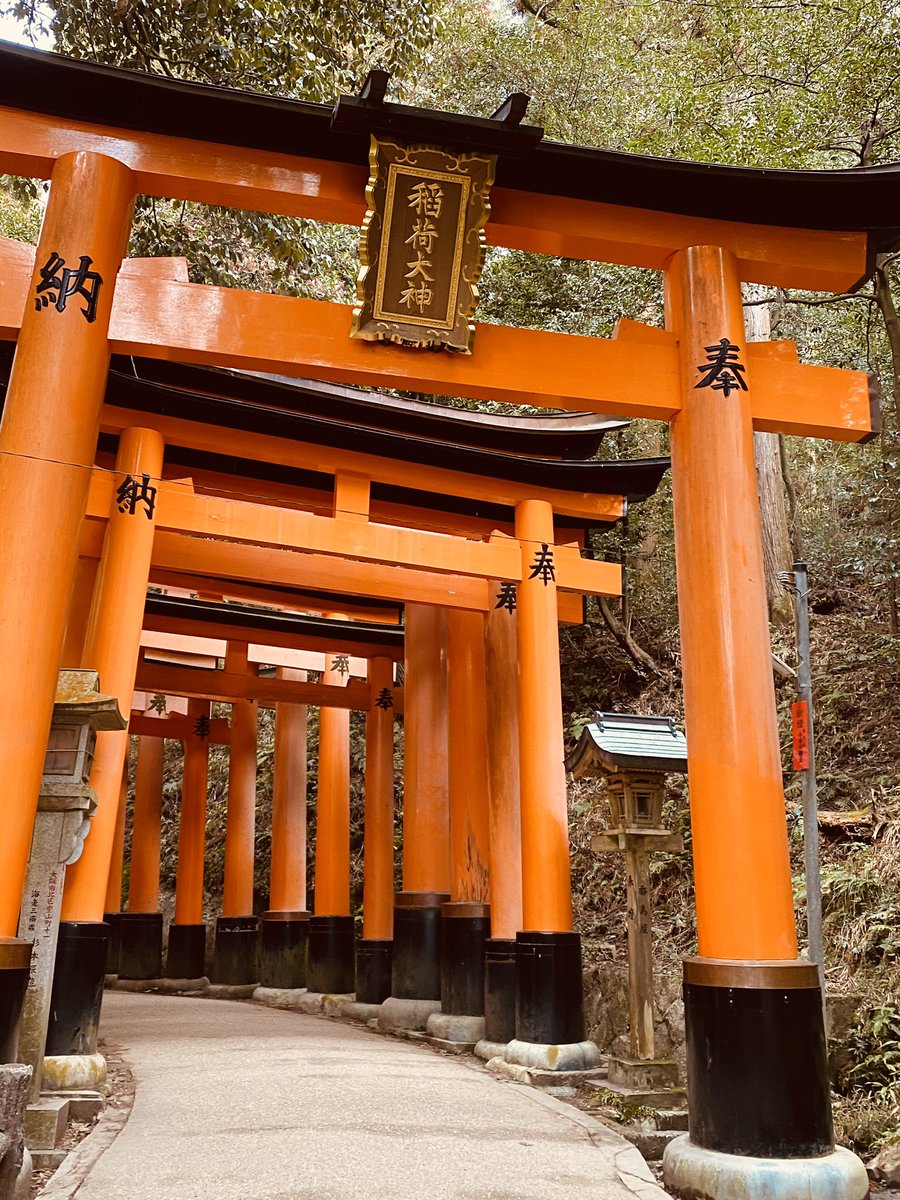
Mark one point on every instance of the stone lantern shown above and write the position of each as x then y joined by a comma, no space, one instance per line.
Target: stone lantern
634,754
61,825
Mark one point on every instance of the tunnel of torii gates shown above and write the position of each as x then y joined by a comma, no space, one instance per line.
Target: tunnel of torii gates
250,496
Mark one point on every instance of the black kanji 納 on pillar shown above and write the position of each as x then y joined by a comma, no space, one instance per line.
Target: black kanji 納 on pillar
58,283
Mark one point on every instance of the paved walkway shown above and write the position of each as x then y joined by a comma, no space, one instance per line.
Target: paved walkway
239,1102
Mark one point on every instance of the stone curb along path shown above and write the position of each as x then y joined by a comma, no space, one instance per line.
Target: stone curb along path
65,1182
331,1112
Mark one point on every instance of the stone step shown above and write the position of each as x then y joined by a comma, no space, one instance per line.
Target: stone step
45,1122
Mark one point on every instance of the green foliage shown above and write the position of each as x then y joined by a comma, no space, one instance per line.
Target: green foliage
313,52
867,1112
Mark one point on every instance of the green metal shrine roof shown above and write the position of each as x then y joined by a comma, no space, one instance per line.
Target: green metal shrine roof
628,741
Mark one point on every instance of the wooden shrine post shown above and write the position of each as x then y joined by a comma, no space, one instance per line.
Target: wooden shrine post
331,962
186,952
501,672
374,951
766,1096
236,956
111,647
465,918
141,925
285,926
415,971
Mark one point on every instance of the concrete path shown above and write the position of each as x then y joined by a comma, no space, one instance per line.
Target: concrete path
239,1102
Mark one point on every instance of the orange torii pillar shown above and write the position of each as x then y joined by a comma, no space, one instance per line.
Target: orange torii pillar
374,949
285,926
756,1060
48,437
79,613
416,966
111,647
112,906
465,919
549,1003
236,957
141,927
330,965
501,670
186,950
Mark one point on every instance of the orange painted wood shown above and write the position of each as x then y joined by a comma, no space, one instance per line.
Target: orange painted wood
586,229
111,648
587,576
183,511
176,727
426,795
742,872
546,880
305,187
243,562
232,687
16,270
263,448
113,903
332,888
501,673
287,888
240,820
80,607
146,832
806,401
378,845
47,438
468,732
192,822
230,589
201,324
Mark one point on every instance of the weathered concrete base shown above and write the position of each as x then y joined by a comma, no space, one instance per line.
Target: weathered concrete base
570,1056
230,991
44,1160
486,1050
357,1011
555,1082
84,1106
109,981
400,1015
73,1072
132,985
651,1074
646,1097
279,997
328,1004
691,1171
182,987
45,1122
453,1033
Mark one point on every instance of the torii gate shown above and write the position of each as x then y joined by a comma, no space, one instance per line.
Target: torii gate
759,1095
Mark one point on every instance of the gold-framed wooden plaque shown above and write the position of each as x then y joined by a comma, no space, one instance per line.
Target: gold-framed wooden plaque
422,246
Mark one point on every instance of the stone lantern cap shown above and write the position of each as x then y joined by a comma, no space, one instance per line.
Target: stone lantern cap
615,742
79,701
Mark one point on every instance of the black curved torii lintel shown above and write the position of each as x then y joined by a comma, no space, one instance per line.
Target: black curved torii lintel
861,200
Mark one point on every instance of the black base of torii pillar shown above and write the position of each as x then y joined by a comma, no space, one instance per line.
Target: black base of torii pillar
759,1100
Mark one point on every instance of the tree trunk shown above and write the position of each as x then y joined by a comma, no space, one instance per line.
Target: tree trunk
890,440
770,486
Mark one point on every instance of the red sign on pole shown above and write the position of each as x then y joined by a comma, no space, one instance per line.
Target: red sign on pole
800,726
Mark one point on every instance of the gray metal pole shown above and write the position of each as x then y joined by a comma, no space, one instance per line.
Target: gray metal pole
810,790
